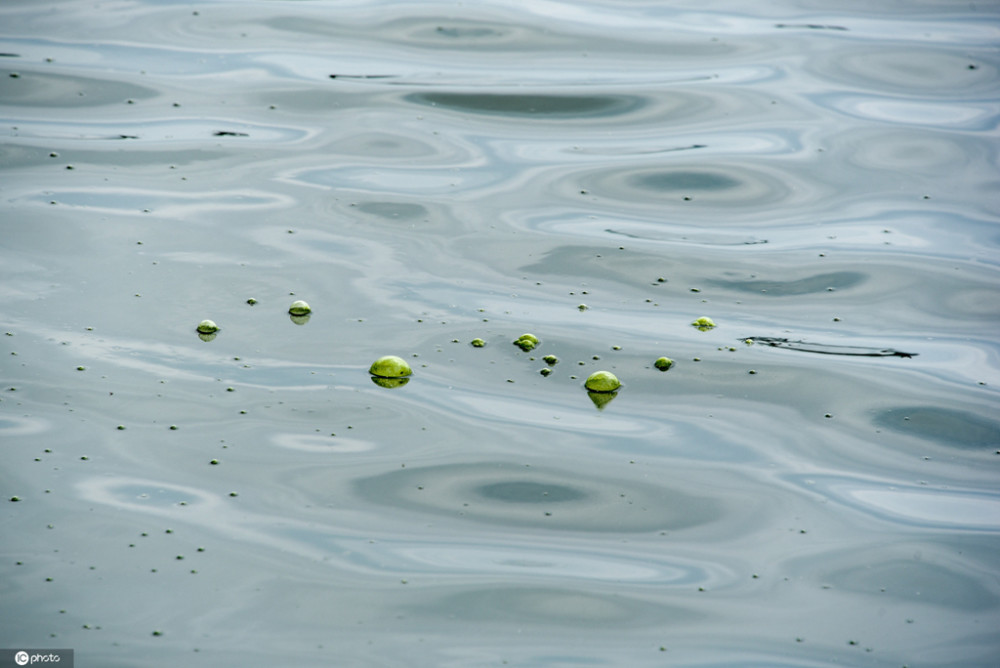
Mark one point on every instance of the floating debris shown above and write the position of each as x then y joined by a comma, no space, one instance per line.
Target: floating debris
477,343
602,382
299,312
207,330
663,363
826,349
703,323
390,366
299,307
207,327
602,387
526,342
390,371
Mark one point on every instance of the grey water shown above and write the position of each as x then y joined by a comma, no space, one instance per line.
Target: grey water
600,174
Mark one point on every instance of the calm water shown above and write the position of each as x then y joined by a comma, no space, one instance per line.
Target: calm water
426,173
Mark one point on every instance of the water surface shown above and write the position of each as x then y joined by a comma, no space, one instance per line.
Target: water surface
423,174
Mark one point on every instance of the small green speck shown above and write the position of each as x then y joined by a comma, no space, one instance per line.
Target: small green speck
121,427
546,371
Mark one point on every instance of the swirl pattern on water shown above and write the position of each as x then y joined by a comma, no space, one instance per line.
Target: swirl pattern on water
599,174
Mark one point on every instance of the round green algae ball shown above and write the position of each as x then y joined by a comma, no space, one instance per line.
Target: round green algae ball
663,363
390,366
602,381
703,322
526,342
207,327
477,343
299,307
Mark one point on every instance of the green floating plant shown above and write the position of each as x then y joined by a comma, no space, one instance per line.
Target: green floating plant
526,342
602,382
299,307
390,366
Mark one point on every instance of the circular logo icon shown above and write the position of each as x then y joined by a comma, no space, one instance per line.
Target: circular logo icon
21,658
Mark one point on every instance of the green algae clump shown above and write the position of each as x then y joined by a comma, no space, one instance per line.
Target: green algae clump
390,366
663,363
477,343
703,323
207,327
299,307
207,330
551,359
526,342
602,382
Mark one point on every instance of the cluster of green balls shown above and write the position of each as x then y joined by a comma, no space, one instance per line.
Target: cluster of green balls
393,371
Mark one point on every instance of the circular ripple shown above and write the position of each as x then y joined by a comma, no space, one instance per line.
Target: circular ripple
529,496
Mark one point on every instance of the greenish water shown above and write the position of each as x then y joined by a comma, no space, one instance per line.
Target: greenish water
423,175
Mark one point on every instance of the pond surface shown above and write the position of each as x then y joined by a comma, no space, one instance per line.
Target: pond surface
424,174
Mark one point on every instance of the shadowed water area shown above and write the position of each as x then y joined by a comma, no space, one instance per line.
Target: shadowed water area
813,482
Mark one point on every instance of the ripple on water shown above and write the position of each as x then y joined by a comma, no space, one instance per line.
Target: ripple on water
46,89
924,574
717,184
506,105
538,497
927,73
947,426
808,285
553,605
